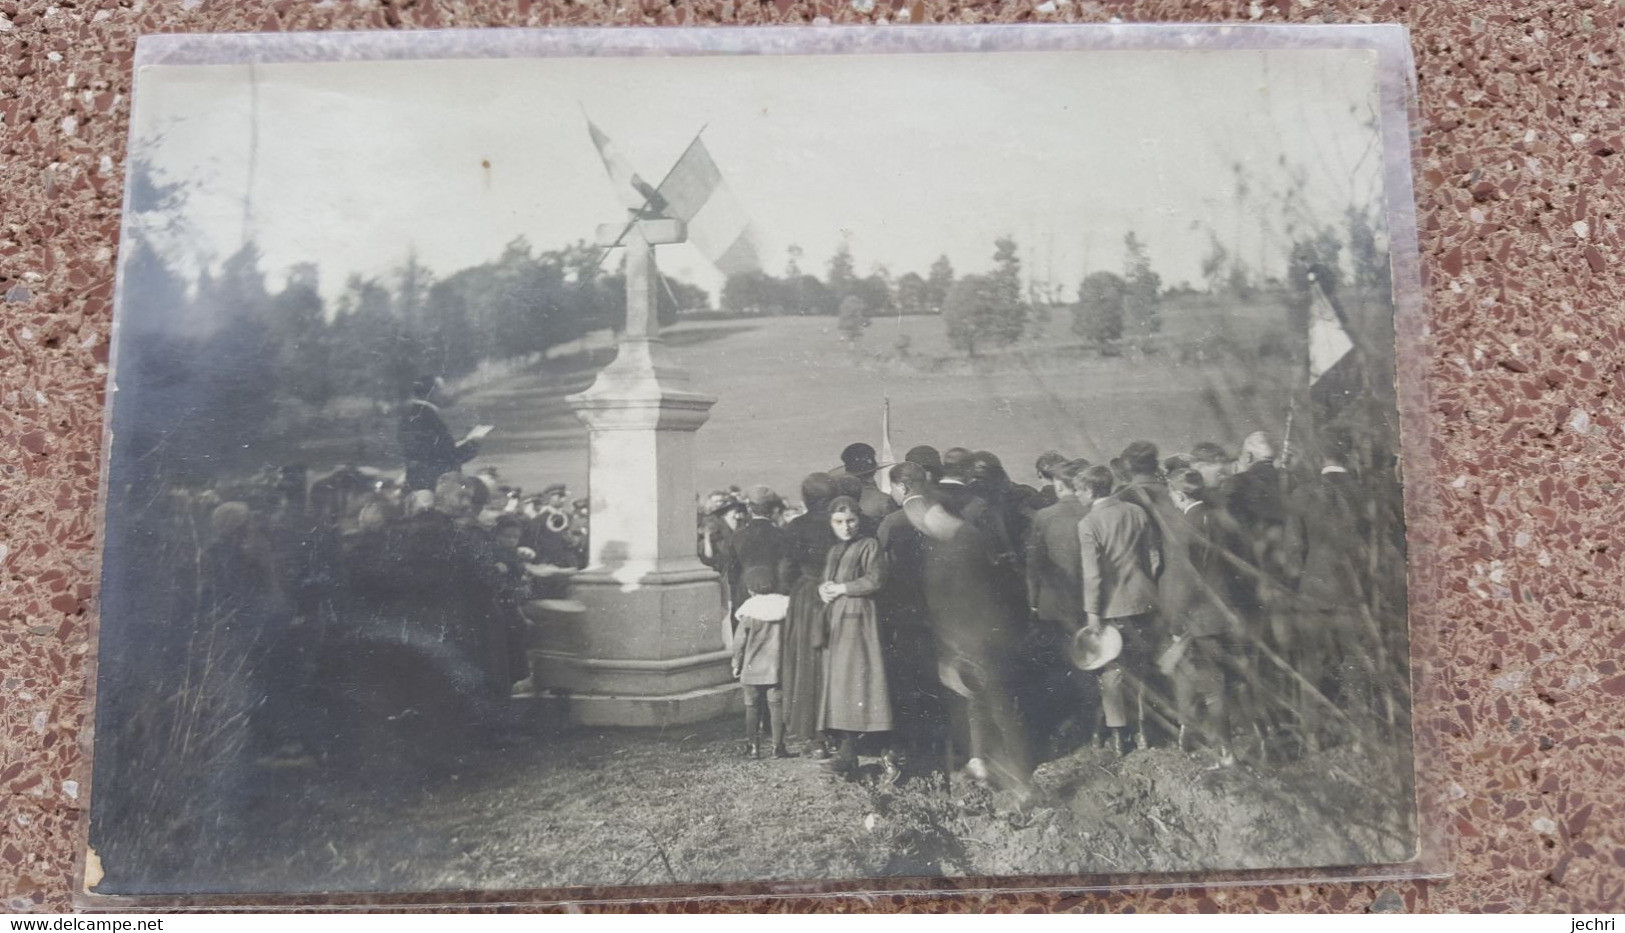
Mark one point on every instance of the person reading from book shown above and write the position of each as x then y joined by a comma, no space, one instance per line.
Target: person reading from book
426,443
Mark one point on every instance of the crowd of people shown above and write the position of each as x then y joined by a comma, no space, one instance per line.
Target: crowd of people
931,613
301,577
938,614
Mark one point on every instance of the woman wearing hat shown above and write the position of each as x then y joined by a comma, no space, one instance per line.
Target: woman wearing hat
857,697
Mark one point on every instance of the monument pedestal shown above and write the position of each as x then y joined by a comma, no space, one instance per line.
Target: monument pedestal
647,651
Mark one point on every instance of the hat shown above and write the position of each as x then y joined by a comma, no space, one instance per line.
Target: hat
728,505
1091,651
858,458
761,499
558,488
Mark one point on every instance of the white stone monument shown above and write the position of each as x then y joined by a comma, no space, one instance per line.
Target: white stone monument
647,651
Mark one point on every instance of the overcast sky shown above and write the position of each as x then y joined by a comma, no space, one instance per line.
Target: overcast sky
909,156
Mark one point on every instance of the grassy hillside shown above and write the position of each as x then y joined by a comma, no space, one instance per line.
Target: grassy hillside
791,395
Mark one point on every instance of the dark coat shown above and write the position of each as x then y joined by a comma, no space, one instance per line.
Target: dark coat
1328,542
1121,559
857,695
874,504
902,602
758,543
968,612
1054,562
427,446
1254,496
1194,584
808,539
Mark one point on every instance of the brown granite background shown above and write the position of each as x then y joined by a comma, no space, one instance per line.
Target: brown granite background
1519,163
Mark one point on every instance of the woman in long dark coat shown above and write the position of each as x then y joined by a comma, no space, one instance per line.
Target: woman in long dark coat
857,696
809,539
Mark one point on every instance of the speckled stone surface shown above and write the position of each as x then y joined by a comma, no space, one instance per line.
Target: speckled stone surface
1519,163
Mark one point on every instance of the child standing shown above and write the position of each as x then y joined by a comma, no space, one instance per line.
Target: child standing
758,644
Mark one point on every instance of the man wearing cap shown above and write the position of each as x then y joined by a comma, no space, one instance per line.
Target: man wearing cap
427,446
1120,558
859,460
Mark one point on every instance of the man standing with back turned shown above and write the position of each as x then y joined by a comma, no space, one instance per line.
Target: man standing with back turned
1121,560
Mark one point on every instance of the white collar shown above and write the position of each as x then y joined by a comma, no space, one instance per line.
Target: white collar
1332,469
950,481
427,404
908,499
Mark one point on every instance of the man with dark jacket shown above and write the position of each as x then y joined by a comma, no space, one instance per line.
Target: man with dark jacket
1195,578
1054,562
1121,560
907,641
427,446
975,631
1055,596
760,542
1330,640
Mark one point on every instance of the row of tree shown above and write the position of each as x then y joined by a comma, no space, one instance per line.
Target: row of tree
841,290
384,331
979,311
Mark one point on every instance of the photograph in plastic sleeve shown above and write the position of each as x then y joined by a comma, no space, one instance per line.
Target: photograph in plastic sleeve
540,463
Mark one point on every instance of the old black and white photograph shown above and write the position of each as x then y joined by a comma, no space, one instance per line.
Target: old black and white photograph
535,467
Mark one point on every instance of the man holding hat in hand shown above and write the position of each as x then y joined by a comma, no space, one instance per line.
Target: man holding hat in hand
1121,559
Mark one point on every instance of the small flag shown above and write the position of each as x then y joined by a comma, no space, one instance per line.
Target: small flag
887,457
1329,343
695,193
630,187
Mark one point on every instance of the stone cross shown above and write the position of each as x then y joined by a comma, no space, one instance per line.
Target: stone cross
640,237
649,647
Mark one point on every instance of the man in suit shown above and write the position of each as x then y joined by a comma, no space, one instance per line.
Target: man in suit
1054,562
1331,641
1121,558
907,641
1254,498
1055,597
975,631
1192,591
953,489
427,446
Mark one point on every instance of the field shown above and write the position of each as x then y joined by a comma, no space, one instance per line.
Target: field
790,395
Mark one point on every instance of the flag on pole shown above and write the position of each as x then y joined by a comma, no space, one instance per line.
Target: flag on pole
630,187
1336,373
1329,343
887,457
695,193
